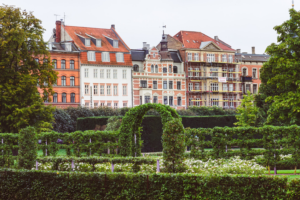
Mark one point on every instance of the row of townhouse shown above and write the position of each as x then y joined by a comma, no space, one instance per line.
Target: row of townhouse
96,68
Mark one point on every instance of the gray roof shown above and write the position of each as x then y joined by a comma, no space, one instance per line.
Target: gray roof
252,57
175,56
138,55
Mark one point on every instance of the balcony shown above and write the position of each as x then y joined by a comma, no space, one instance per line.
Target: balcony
246,79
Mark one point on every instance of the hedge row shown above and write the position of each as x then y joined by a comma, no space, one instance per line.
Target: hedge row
22,184
152,127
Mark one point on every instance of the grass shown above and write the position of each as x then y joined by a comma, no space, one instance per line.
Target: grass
286,171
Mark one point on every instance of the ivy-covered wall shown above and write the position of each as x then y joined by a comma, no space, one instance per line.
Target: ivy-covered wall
152,127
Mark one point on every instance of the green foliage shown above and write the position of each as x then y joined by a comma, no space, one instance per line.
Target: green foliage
113,123
130,130
173,146
27,147
247,111
66,185
280,76
21,40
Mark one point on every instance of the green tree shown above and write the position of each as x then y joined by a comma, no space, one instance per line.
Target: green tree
21,41
27,147
113,123
247,111
280,76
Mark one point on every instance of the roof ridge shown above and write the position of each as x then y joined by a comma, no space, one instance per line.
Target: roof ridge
87,27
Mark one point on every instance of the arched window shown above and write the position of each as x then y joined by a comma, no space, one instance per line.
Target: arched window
71,64
156,69
72,81
63,81
244,71
175,70
152,68
135,68
55,98
54,63
64,98
72,97
63,64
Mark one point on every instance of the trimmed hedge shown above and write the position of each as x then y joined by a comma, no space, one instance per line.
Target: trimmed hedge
23,184
152,127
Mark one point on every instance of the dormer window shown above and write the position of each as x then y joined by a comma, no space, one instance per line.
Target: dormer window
68,47
87,42
98,43
116,44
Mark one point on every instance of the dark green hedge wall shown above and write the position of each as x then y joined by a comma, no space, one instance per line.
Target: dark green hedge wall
152,127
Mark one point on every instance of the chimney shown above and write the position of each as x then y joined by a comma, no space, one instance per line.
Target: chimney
253,50
144,45
216,38
58,31
238,51
113,26
148,46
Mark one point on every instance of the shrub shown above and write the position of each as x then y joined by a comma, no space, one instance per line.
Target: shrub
75,113
27,147
63,121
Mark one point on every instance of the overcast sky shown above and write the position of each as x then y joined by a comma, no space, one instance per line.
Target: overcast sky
240,23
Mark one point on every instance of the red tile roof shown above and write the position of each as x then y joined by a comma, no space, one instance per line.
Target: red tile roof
98,33
192,40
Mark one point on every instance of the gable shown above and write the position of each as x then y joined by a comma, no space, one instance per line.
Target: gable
209,46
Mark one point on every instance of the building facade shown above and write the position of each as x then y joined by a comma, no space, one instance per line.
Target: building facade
250,65
212,73
105,65
158,76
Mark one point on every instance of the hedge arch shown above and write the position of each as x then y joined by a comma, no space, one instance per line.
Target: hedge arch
130,130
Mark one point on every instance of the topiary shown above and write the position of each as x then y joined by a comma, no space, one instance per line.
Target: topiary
27,147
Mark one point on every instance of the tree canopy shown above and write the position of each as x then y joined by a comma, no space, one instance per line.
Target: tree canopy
279,92
21,41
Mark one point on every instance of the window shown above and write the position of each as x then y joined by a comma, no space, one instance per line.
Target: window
120,57
124,90
247,87
55,83
63,81
197,86
215,102
102,104
124,104
214,72
115,90
214,87
86,104
141,98
244,71
47,98
191,102
230,58
165,100
155,99
154,84
189,56
96,89
68,47
115,74
170,68
101,73
95,105
115,43
196,56
72,81
105,57
170,84
63,64
230,87
152,68
108,104
178,85
156,69
197,101
154,55
95,73
72,97
115,105
254,88
224,58
190,86
98,43
91,56
254,73
101,89
135,68
197,72
108,73
165,84
54,63
178,101
147,99
87,42
165,70
224,72
86,89
231,103
55,98
143,84
86,72
175,69
225,88
108,90
64,98
210,57
71,64
124,74
170,101
190,73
